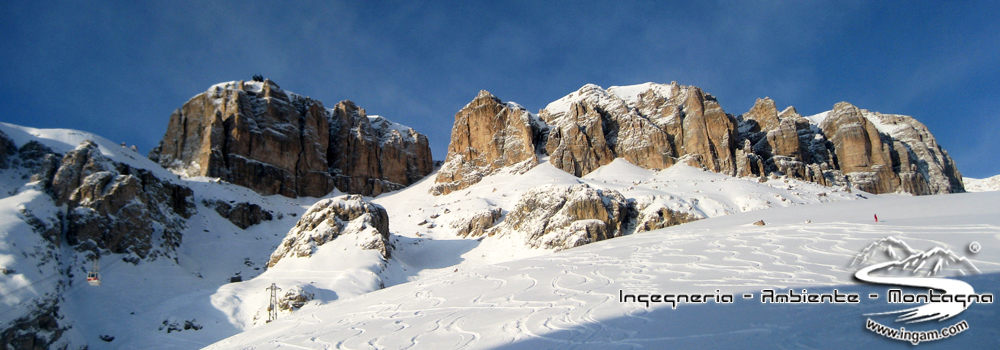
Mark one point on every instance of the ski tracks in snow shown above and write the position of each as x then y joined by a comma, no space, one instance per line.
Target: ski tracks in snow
571,299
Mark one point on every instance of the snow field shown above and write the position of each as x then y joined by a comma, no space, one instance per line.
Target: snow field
570,298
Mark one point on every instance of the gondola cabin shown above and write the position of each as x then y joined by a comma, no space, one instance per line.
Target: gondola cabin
94,278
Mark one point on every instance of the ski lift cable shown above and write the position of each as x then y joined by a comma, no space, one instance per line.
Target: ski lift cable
39,282
110,267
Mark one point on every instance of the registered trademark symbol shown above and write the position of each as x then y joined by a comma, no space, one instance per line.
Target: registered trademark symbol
974,247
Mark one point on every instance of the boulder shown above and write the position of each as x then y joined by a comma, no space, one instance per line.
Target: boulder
242,214
476,224
649,214
331,218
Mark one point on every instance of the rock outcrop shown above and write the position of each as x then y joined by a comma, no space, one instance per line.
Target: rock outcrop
861,154
39,329
649,214
562,217
113,206
784,143
352,216
241,214
554,217
7,149
477,224
655,126
923,167
294,299
256,135
488,135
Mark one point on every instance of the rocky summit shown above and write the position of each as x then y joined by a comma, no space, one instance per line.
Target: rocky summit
488,135
656,126
256,135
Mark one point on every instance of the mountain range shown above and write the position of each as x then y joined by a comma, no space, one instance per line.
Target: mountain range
257,184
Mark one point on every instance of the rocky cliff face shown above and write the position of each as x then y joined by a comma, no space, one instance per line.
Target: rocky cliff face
655,126
256,135
113,206
351,216
40,329
106,205
488,135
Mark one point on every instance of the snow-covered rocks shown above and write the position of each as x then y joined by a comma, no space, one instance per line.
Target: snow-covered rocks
656,212
651,125
113,206
554,217
351,216
982,185
475,225
294,298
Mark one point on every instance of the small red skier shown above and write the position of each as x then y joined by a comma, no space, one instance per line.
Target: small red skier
876,217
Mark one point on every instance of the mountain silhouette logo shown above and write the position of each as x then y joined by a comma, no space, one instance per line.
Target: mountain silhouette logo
890,261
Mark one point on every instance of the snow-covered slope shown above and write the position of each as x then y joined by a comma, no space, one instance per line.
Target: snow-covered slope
147,302
140,303
427,226
572,298
982,185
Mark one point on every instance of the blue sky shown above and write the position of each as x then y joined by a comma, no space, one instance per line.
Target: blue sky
119,69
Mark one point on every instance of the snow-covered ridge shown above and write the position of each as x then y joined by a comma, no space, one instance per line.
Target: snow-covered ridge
982,185
630,93
590,92
818,118
65,140
386,128
436,220
889,124
248,86
613,97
